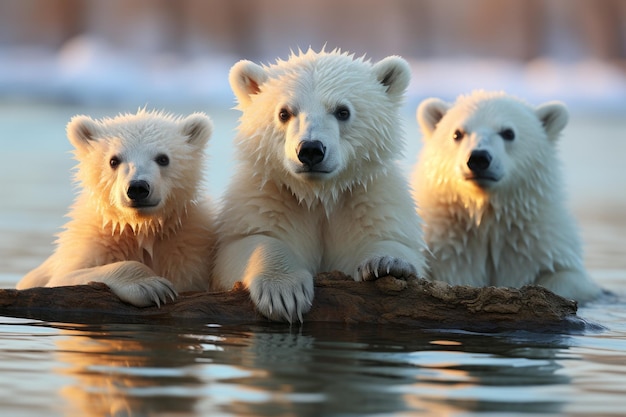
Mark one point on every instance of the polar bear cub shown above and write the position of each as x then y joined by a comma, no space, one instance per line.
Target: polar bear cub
489,189
139,224
317,186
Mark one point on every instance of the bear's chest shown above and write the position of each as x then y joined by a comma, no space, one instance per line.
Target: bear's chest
147,249
494,252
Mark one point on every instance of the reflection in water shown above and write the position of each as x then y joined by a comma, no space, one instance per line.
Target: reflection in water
316,369
271,370
486,383
363,370
126,371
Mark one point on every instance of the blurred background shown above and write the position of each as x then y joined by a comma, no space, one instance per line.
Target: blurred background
179,51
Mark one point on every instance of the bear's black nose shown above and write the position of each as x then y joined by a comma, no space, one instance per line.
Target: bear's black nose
138,190
479,161
311,152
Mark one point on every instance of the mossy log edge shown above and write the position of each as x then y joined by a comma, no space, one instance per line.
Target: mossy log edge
417,303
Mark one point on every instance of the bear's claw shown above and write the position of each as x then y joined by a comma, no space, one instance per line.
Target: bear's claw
146,292
380,266
282,300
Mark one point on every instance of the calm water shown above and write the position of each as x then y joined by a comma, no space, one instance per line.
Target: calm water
61,369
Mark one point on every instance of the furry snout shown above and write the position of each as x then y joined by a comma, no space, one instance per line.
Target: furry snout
479,161
311,152
138,190
482,168
140,195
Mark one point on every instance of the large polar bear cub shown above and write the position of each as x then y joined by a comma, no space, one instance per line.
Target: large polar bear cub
317,186
489,190
139,223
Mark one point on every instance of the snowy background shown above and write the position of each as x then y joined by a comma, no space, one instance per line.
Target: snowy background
173,53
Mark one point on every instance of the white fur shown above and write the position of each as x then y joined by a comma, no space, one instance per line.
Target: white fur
280,225
510,232
144,254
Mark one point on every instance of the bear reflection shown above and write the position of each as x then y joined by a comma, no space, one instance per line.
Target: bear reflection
126,371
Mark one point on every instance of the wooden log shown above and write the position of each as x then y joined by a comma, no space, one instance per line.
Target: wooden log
415,302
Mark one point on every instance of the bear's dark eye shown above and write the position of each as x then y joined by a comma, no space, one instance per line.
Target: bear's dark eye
458,135
162,160
114,162
342,113
284,115
507,134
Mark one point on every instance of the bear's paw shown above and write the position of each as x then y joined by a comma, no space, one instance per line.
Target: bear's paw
380,266
145,291
283,298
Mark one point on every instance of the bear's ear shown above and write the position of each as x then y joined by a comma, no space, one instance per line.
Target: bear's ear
429,113
554,117
394,73
82,131
245,79
197,127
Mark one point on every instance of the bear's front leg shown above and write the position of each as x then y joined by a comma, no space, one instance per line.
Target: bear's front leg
280,284
572,283
133,282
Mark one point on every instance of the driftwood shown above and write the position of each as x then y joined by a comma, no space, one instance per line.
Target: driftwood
415,302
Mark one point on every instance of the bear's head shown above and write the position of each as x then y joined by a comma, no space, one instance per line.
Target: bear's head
489,143
141,169
319,123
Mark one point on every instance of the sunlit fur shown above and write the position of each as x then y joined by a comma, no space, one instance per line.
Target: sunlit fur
512,232
294,225
171,239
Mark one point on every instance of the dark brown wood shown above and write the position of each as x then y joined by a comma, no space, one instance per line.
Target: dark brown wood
415,302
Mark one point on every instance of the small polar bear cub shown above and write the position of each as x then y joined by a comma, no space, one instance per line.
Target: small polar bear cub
317,186
489,190
138,224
